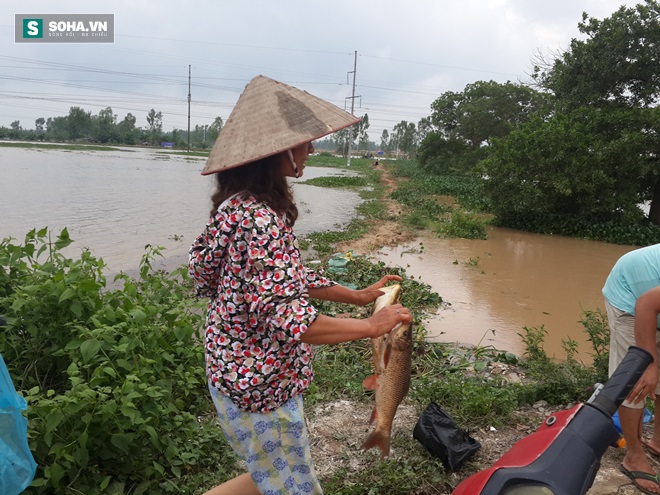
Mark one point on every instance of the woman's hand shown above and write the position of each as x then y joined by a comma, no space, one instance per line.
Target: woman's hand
387,318
373,292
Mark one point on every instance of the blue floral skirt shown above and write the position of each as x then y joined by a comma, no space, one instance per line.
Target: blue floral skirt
274,445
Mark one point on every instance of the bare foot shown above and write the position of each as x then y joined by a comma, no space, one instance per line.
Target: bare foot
638,469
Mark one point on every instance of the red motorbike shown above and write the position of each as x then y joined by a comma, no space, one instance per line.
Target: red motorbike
563,456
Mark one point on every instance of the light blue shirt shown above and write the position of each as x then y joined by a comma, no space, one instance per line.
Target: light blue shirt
632,275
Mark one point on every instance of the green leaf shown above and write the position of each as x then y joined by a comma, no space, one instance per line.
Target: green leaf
63,240
89,349
105,482
67,294
138,314
142,488
480,365
53,420
122,441
72,369
76,308
159,468
81,456
109,371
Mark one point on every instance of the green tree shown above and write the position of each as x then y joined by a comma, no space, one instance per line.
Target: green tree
126,130
357,131
362,135
584,164
155,129
57,129
385,140
616,64
105,126
404,138
39,125
462,125
424,126
79,123
616,67
214,129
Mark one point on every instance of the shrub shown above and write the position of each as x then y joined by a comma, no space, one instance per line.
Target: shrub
114,379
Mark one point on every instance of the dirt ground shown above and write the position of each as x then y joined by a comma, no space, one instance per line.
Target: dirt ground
338,429
383,232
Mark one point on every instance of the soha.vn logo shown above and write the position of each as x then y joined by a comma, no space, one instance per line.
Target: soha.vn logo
33,28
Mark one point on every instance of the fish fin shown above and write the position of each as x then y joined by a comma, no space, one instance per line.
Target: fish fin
374,415
385,356
370,382
377,438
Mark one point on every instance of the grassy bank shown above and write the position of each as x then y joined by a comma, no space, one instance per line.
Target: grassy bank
66,147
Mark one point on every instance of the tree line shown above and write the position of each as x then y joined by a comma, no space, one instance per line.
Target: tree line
578,144
80,125
105,128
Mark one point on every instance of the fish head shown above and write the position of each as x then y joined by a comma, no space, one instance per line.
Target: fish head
401,337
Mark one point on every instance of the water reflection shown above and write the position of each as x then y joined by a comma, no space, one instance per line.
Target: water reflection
117,202
511,280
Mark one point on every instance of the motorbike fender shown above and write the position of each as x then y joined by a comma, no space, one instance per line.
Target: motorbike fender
523,452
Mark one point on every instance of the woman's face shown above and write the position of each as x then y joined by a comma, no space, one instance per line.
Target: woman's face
300,155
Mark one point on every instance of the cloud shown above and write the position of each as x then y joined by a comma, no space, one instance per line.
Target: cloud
409,53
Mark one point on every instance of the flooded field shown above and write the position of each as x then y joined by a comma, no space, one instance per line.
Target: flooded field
117,202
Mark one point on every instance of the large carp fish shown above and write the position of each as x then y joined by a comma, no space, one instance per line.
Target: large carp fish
392,355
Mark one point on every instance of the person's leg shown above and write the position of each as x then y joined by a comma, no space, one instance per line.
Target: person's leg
654,444
295,446
279,458
242,484
630,415
274,446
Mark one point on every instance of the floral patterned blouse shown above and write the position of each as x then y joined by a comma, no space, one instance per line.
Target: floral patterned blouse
248,262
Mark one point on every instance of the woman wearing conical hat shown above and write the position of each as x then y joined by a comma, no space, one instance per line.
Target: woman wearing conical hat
260,324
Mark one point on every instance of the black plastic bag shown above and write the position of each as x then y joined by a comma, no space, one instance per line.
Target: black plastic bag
438,432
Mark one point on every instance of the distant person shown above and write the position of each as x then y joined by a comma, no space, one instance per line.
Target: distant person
260,324
376,163
632,301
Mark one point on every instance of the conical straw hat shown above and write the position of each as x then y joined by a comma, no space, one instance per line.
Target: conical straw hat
271,117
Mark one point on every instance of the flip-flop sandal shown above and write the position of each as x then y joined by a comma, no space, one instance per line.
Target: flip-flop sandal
640,475
652,450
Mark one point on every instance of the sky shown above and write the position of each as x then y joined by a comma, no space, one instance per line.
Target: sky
402,55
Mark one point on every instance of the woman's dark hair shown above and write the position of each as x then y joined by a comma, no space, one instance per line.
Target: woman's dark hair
261,178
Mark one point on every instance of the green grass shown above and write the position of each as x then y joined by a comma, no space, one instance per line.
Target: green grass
67,147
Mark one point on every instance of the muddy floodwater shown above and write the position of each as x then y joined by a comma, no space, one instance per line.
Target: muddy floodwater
495,287
116,202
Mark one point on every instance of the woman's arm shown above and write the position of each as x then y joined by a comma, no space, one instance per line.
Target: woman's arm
341,294
328,330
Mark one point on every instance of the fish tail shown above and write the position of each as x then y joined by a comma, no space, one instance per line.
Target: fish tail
378,438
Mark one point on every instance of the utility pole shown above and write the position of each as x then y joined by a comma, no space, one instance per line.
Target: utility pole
188,108
350,132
